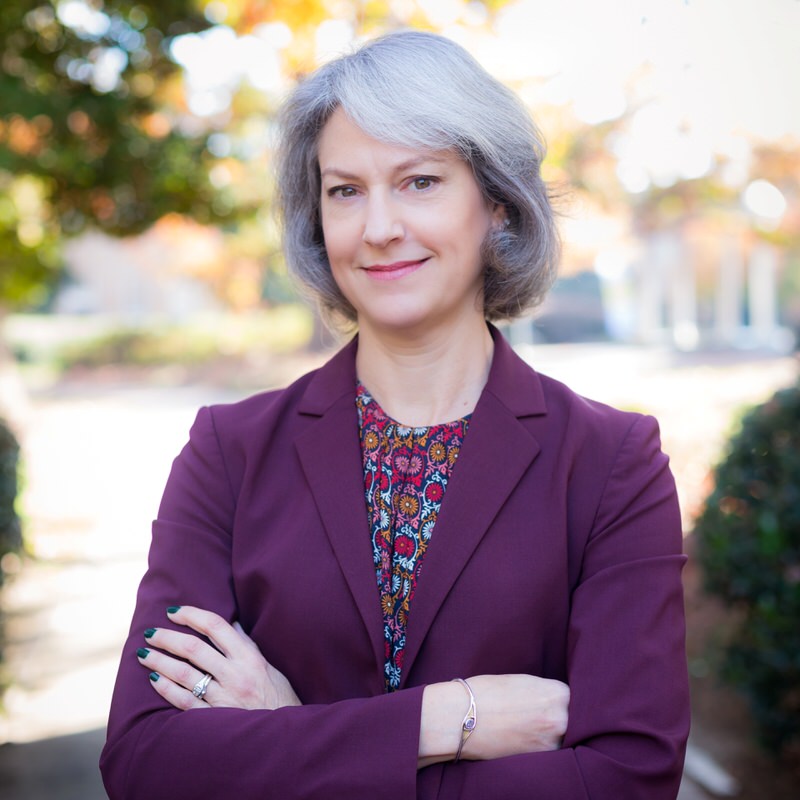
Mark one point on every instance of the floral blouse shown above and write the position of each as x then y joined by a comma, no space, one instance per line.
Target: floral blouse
406,472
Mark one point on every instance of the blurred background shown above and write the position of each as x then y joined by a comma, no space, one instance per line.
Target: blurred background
141,276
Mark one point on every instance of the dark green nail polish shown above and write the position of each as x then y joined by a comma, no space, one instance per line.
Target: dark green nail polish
173,609
149,632
142,652
154,676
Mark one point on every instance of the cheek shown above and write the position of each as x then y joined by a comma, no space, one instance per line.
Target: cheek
466,232
340,238
468,218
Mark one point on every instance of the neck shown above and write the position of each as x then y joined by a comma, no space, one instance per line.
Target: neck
429,378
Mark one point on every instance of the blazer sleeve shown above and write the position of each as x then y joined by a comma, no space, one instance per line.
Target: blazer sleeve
354,748
629,703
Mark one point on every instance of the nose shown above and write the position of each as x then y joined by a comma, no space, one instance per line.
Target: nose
382,223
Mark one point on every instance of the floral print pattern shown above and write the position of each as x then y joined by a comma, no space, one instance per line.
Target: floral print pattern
406,472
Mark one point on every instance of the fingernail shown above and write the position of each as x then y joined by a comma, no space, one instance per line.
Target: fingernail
149,632
142,652
154,676
173,609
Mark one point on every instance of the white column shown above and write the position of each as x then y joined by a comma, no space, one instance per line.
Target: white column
728,298
763,295
651,294
685,334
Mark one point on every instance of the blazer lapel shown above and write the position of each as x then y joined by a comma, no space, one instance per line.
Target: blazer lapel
496,453
330,454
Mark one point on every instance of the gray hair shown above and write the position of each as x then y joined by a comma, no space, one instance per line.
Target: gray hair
421,90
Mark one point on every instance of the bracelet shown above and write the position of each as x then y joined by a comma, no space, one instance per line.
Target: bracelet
470,720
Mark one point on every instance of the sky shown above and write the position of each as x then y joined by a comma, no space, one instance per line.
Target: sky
723,65
732,63
698,77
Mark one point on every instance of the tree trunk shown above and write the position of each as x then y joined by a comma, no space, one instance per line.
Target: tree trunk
14,400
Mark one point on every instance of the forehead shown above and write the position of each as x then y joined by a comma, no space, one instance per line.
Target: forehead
343,146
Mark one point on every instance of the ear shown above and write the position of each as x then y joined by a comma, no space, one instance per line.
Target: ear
499,215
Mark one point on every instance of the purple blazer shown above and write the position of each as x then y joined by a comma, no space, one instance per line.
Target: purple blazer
557,553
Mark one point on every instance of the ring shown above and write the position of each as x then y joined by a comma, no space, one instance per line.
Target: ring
201,687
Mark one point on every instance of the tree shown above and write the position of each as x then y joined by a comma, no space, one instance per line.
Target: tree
91,129
95,130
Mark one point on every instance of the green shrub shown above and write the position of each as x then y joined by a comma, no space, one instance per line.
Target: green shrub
141,348
283,329
748,539
10,530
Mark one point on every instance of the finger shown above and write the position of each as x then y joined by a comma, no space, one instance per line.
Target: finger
244,636
179,672
237,626
217,629
174,694
189,648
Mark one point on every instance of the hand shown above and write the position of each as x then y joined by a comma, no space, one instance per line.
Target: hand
515,713
242,677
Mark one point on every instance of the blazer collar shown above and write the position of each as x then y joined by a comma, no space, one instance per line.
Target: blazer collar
332,381
513,382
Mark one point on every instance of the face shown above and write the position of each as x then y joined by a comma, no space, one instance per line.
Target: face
403,230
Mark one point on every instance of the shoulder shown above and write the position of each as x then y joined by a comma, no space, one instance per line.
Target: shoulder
596,439
253,413
552,407
588,446
618,485
529,394
568,426
585,416
308,397
240,433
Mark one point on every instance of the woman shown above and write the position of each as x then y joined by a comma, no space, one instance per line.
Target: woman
423,570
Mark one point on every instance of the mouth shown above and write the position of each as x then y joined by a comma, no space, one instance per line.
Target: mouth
395,270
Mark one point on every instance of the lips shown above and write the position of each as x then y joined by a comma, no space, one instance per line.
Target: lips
395,270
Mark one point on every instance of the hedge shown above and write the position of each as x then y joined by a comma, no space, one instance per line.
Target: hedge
10,528
748,538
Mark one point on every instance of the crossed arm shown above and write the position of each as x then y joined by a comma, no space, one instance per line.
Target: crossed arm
518,713
250,737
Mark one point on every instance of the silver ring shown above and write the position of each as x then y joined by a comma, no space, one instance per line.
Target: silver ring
201,687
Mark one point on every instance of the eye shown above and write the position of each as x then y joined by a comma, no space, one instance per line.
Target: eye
422,182
342,191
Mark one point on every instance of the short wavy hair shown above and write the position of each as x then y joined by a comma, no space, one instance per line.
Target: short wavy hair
421,90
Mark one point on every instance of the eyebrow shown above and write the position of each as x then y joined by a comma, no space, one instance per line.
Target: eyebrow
403,166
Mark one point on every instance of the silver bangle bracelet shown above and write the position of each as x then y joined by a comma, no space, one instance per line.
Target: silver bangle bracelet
470,720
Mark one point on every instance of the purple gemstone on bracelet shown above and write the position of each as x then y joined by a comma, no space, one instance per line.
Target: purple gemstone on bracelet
469,724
